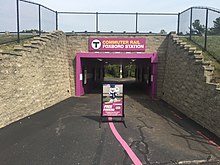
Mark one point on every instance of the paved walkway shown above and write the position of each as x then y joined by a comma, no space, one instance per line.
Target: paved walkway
68,134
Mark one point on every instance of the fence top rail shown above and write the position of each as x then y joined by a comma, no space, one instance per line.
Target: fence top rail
48,8
185,10
34,3
215,10
201,7
111,13
112,33
205,7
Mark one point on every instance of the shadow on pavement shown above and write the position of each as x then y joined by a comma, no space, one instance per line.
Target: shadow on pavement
94,118
175,118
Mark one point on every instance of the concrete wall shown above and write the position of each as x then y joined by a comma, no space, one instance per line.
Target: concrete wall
187,85
155,43
33,77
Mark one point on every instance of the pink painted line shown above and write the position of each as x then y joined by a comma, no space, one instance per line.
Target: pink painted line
210,141
131,154
213,143
177,115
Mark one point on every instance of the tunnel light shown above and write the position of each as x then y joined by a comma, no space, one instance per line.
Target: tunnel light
106,62
133,60
99,59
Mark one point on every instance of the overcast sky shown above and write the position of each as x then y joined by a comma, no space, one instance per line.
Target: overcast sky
127,5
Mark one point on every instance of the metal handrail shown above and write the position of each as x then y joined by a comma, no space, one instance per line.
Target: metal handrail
165,14
34,3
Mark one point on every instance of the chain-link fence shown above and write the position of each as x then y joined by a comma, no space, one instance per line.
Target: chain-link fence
8,19
20,19
202,26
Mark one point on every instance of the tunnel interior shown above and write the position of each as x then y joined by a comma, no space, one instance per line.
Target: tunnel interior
134,73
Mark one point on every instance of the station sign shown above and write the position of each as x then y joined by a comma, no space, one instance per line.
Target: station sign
112,100
117,44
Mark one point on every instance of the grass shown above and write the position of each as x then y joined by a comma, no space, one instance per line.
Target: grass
109,75
7,38
7,42
213,43
12,38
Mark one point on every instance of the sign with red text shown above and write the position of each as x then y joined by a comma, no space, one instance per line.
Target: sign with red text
112,100
117,44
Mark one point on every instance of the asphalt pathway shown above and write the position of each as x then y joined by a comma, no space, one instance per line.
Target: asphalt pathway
68,133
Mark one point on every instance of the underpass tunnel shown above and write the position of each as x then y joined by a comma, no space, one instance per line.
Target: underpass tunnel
92,74
134,73
143,76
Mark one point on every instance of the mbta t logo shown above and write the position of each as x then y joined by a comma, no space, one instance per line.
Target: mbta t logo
96,44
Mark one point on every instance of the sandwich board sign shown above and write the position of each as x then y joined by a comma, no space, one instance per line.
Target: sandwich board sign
112,102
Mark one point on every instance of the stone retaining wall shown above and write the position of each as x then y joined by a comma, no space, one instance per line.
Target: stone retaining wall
187,84
33,77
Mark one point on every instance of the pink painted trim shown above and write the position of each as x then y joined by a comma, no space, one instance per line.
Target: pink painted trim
79,84
154,83
131,154
153,56
117,55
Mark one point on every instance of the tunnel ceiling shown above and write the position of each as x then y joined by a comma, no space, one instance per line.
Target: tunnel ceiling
124,61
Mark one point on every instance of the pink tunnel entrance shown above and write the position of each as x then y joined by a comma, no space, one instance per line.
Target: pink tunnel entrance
152,58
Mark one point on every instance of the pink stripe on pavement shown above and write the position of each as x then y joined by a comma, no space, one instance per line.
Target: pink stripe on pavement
131,154
176,115
210,141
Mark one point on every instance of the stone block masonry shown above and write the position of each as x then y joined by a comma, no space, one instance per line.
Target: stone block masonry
33,77
187,84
